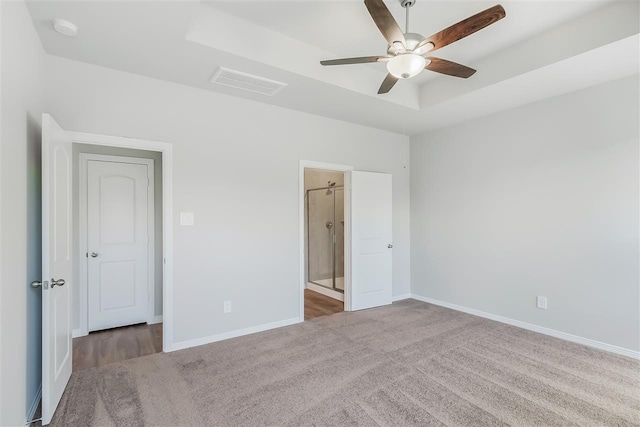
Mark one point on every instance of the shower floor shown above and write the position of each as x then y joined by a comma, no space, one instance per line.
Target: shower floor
328,283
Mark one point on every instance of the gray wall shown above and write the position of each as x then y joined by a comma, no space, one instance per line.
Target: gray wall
236,166
22,104
538,200
319,260
114,151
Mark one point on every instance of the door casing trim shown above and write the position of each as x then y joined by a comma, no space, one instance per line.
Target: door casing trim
308,164
167,214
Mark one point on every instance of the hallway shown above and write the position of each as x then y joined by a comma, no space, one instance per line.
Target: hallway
115,345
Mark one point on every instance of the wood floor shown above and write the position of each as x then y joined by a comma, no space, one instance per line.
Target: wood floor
115,345
316,305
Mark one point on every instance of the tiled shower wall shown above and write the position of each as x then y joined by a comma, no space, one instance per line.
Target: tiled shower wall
318,238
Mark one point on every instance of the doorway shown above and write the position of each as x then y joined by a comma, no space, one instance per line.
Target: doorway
61,252
324,222
118,304
368,244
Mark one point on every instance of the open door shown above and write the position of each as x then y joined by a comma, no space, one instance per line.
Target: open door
371,243
56,265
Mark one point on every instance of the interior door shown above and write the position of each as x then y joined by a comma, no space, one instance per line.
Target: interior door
371,240
118,240
57,223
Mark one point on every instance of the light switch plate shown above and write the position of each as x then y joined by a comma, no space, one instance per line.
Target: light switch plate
187,218
542,302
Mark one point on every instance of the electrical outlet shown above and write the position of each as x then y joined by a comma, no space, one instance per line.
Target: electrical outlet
542,302
227,306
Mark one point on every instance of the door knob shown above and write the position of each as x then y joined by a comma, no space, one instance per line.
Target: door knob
390,246
94,254
55,282
36,284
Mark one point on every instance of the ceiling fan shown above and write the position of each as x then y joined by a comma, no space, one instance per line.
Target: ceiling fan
407,52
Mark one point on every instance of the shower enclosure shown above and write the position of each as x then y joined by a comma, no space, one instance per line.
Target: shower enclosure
325,236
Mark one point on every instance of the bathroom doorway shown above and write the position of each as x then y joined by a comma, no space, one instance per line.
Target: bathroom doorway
324,241
361,226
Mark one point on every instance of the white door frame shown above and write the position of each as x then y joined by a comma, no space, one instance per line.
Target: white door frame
83,281
167,215
308,164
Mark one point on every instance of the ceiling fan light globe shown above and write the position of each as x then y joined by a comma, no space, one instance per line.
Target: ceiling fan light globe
406,65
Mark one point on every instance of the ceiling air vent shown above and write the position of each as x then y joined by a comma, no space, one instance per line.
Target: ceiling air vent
248,82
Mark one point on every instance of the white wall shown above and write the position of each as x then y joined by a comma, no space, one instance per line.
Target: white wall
123,152
236,167
538,200
22,104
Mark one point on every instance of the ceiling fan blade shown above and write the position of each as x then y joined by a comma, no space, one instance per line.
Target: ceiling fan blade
464,28
359,60
387,84
450,68
385,22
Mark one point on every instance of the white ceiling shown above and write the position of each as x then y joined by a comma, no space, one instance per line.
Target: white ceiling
537,49
346,29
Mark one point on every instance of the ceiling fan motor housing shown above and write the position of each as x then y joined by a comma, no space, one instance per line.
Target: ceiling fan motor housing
412,41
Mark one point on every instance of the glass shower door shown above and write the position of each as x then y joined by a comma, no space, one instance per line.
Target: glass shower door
325,237
320,237
338,247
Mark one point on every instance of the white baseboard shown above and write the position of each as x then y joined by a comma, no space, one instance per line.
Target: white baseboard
324,291
233,334
34,406
400,297
155,319
535,328
78,333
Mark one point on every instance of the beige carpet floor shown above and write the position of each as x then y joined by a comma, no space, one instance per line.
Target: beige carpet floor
407,364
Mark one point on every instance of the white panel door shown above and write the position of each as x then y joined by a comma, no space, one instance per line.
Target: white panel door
56,265
117,242
371,233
